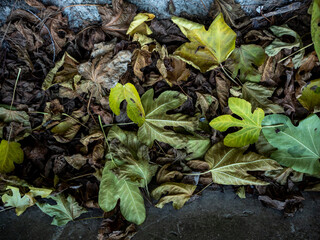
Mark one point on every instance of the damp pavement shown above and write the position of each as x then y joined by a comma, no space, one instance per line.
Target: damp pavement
215,215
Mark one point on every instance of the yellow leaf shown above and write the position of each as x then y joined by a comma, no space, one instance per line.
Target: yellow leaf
10,152
129,93
206,49
315,26
138,24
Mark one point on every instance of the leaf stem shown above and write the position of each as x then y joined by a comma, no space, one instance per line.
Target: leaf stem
295,52
272,126
64,114
118,124
225,72
204,188
6,209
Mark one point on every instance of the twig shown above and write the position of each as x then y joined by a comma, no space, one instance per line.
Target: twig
6,209
295,52
51,38
204,188
80,176
64,114
118,124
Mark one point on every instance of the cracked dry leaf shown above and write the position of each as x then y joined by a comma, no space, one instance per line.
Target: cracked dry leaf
230,166
244,61
138,24
64,211
310,96
105,70
129,93
206,49
258,96
177,193
250,123
116,19
10,153
297,147
315,26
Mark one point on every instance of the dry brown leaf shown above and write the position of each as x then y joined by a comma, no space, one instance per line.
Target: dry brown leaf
165,175
140,59
76,161
116,19
223,86
272,70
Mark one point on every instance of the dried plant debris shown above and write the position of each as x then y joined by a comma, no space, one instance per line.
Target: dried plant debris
137,109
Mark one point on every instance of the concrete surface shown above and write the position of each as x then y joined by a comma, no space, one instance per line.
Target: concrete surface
213,216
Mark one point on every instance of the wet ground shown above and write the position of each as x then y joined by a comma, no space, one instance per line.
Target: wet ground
213,216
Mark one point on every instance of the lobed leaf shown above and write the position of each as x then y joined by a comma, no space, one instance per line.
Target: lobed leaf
250,123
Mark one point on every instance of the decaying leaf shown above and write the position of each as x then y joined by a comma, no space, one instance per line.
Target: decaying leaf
129,93
65,210
10,152
245,60
230,166
250,123
177,193
165,175
277,45
76,160
206,49
116,19
282,175
258,96
138,24
297,147
310,97
315,28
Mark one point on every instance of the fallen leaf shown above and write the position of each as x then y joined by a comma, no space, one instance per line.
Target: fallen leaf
116,19
177,193
258,96
138,24
64,211
230,166
223,91
10,152
15,200
241,192
245,60
250,123
76,160
129,93
277,45
206,49
310,97
297,147
165,175
315,29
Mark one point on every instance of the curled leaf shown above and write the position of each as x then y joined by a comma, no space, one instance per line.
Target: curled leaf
138,24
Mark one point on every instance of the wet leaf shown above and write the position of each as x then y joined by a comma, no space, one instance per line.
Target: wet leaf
10,152
258,96
315,28
138,24
15,200
310,97
129,93
177,193
297,147
206,49
65,210
277,45
250,123
230,166
245,61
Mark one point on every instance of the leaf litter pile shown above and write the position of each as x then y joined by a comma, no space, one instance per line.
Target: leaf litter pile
135,111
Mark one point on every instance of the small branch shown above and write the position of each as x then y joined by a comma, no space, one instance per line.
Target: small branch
295,52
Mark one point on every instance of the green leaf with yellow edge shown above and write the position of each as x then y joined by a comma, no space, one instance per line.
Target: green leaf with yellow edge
230,166
298,147
157,119
206,49
315,26
64,211
10,152
138,24
310,96
129,93
245,59
177,193
15,200
250,123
